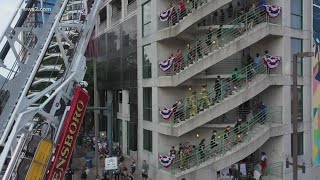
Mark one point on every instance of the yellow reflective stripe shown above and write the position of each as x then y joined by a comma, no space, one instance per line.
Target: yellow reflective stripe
40,160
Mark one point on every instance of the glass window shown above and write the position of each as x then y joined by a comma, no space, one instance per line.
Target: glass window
147,140
296,14
103,15
297,47
147,104
300,103
300,144
146,65
146,18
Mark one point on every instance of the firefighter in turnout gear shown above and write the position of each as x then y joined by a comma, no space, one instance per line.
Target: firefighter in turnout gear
192,104
205,102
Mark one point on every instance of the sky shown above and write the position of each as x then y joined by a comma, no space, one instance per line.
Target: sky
7,9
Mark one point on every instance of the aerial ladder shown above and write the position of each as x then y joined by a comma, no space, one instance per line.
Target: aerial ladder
41,73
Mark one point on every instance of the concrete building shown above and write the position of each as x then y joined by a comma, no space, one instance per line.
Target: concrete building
239,32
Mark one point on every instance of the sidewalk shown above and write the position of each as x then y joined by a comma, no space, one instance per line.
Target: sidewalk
78,163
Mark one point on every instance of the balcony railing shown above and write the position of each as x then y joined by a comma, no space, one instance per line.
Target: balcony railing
219,38
131,7
226,141
190,6
218,92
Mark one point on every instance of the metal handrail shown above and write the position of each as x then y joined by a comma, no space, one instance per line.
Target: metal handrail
219,38
226,141
218,92
178,15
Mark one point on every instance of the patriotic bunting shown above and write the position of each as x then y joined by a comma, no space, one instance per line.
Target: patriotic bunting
272,10
272,61
166,161
164,16
166,64
167,113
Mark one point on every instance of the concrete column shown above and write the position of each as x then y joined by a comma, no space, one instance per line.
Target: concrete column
124,4
286,56
125,102
124,136
286,14
109,14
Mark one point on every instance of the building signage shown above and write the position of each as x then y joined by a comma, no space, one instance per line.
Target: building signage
69,135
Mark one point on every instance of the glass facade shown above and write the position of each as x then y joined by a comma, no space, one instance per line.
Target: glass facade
296,14
146,18
147,104
117,70
146,65
297,47
147,140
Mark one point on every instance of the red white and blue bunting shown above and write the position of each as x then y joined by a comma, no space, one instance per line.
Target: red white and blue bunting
167,113
164,16
273,10
166,64
166,161
272,61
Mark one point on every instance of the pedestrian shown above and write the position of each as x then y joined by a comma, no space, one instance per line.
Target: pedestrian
235,78
182,9
84,175
257,171
257,62
213,139
219,36
199,49
117,173
202,149
130,176
145,169
133,166
263,112
98,177
172,152
178,61
217,89
209,39
122,170
263,163
69,174
237,128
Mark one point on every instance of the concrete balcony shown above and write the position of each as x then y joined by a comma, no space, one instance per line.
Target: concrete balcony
203,10
252,36
253,88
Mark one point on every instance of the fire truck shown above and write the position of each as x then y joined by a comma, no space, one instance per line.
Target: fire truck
42,95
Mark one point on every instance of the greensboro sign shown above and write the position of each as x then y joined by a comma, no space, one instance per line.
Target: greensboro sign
69,134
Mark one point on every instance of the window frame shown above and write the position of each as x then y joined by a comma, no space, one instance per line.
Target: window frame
143,19
146,66
296,15
147,140
300,144
101,10
147,110
300,61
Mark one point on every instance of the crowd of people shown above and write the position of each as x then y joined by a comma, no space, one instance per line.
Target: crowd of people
204,45
220,90
188,155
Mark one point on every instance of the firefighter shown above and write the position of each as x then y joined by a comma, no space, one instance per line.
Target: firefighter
205,103
192,103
